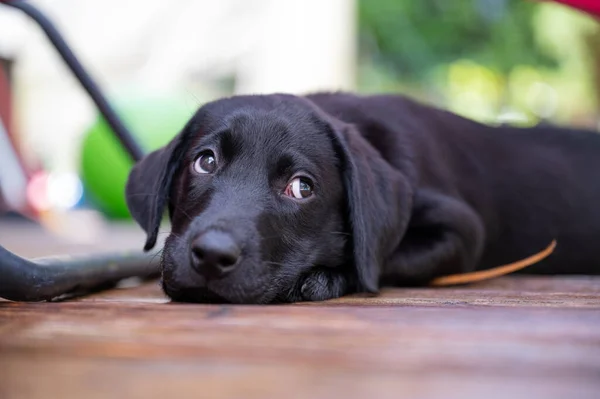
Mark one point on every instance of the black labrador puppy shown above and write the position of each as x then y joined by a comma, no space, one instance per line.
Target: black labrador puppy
280,198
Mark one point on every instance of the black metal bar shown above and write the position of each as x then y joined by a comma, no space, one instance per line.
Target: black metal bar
119,129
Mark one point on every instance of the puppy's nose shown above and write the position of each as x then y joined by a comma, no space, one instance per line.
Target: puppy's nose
214,253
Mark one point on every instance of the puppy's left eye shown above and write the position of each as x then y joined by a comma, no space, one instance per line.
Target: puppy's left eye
205,163
299,188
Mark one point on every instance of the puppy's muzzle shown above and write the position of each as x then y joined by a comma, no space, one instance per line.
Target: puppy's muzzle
214,254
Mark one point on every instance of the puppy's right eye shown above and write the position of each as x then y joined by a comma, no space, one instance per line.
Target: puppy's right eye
299,188
205,163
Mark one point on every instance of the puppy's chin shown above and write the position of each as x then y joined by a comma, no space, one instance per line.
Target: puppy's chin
208,296
195,295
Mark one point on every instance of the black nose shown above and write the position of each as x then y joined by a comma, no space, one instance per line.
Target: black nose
214,253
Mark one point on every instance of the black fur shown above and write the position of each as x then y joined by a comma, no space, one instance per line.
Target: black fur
403,193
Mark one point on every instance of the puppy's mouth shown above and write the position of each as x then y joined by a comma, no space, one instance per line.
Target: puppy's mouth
194,295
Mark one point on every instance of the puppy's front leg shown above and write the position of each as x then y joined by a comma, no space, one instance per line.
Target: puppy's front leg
322,284
445,236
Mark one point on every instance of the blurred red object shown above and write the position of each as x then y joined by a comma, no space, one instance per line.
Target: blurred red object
589,6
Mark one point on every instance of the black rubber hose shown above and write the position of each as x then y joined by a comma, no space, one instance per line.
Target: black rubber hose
47,278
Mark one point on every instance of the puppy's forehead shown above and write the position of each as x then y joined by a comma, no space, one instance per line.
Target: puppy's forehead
267,124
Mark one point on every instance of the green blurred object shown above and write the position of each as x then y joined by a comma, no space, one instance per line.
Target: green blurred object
154,120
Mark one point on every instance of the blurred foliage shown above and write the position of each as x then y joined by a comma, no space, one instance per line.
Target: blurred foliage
413,35
492,60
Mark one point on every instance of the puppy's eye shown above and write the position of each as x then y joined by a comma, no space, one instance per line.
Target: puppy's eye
205,163
299,188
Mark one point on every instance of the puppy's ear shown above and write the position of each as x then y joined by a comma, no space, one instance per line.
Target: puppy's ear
148,187
379,204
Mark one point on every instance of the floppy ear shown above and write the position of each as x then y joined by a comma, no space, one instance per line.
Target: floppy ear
379,204
148,187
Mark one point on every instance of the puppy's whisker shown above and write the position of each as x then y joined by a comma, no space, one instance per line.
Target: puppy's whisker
157,254
187,216
173,234
275,263
271,237
198,102
184,213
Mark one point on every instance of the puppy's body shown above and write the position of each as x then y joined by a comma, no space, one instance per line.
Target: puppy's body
527,186
401,193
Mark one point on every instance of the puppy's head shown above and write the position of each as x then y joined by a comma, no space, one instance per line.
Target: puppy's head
260,191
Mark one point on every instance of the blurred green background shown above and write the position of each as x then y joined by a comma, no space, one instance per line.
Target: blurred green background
514,61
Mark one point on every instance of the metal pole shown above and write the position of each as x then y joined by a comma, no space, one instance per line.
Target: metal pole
119,129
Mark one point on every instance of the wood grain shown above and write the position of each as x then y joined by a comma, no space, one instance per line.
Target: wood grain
517,337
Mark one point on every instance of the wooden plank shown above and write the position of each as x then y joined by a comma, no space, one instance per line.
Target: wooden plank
563,291
518,337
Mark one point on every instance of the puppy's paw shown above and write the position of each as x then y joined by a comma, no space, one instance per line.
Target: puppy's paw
322,285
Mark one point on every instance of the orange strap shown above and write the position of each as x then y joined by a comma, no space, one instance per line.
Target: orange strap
465,278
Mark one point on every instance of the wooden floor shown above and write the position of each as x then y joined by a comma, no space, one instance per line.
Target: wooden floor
509,338
514,337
